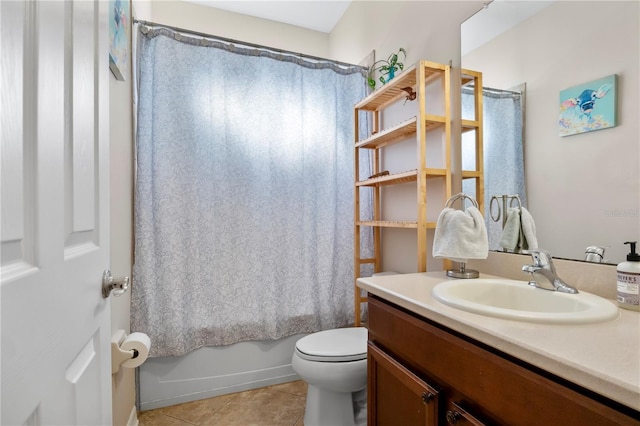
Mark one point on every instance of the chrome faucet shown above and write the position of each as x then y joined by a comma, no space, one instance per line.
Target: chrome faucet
543,265
594,254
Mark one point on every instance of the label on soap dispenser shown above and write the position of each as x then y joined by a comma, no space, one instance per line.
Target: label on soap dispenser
629,289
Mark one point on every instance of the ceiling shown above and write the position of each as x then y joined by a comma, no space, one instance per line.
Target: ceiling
495,18
318,15
322,15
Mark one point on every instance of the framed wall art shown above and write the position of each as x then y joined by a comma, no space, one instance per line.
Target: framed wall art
119,36
588,107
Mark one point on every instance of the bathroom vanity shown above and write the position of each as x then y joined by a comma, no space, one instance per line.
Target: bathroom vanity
432,364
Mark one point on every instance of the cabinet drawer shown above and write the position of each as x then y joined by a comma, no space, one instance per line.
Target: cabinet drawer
397,396
458,416
497,389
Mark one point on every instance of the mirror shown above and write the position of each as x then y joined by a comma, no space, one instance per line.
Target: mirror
582,190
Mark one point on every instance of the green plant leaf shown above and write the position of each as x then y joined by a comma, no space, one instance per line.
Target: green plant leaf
385,67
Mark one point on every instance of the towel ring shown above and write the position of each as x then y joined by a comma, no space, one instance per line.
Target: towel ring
462,271
515,198
458,196
495,217
502,212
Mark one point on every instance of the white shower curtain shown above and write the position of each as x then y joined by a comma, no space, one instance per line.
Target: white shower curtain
244,193
503,150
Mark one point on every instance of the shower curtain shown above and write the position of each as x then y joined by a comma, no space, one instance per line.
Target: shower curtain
503,150
244,193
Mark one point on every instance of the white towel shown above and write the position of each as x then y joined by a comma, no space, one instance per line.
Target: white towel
511,232
519,232
528,227
461,235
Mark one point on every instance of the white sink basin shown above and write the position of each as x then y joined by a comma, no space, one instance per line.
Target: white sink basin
516,300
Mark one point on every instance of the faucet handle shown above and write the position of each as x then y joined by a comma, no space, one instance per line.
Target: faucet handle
542,258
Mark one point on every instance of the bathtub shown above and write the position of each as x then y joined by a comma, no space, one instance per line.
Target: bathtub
208,372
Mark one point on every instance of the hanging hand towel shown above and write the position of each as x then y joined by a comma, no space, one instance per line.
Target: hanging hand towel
519,231
511,231
528,227
461,235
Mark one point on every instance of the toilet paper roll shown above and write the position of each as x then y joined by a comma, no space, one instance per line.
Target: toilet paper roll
141,343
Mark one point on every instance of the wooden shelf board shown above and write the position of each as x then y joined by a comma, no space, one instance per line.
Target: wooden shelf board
396,224
468,125
433,121
388,224
470,74
471,174
391,135
392,179
466,80
435,172
392,91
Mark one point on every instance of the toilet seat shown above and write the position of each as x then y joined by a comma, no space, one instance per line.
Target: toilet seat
338,345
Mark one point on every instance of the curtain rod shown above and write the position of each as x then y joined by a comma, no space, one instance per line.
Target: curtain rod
244,43
493,90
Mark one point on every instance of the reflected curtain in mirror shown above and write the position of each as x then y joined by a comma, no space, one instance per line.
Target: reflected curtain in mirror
244,195
503,150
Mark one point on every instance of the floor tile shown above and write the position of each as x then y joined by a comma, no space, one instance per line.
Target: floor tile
277,405
260,407
197,412
155,418
297,388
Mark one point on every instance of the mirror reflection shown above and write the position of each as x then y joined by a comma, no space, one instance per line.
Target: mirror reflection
582,190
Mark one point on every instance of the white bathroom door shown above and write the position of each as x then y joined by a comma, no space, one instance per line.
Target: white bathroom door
55,324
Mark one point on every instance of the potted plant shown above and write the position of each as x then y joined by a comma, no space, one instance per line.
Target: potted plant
387,68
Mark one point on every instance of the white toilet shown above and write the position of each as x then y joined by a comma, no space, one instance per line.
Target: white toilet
334,365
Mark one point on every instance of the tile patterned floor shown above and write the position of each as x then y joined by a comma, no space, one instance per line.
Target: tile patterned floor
278,405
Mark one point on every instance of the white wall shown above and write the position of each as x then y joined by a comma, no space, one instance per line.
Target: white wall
121,157
121,181
121,187
235,26
576,184
426,29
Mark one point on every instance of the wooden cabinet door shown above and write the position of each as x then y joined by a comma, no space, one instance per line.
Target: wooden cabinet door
396,396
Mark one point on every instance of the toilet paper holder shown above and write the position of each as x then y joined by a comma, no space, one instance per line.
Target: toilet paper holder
119,355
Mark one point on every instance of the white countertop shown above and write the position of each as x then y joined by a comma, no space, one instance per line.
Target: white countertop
604,357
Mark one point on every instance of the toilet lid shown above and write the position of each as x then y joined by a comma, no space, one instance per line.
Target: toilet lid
338,345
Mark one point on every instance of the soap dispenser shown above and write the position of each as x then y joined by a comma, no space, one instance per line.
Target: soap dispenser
629,280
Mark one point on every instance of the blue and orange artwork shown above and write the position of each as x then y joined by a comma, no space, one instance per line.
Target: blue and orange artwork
119,29
588,107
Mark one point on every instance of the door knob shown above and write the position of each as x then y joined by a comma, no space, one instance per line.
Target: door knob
118,286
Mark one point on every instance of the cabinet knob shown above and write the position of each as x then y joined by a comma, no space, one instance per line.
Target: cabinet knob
427,397
452,417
